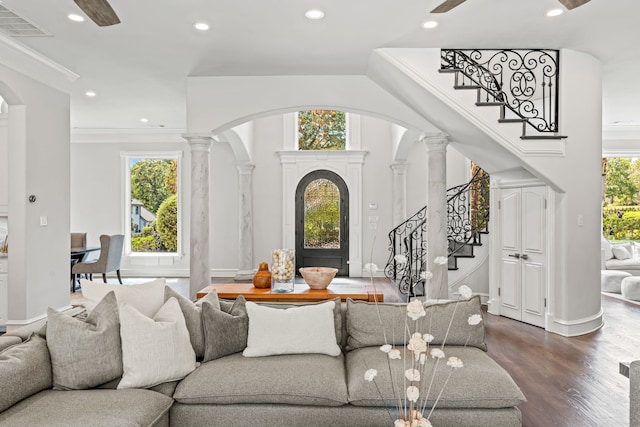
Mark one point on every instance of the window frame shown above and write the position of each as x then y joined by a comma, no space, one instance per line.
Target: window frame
127,156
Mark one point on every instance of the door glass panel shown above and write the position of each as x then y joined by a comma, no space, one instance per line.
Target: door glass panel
322,215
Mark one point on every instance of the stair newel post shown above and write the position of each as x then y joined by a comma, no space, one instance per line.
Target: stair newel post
436,230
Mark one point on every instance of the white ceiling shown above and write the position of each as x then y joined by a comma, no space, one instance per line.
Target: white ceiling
138,68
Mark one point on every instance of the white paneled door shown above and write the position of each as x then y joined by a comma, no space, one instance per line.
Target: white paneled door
523,254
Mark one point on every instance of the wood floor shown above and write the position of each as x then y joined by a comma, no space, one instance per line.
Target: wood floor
568,382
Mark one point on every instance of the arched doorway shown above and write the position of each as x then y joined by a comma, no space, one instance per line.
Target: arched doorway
322,222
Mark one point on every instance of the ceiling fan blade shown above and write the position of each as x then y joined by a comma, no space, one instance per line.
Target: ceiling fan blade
447,5
99,11
572,4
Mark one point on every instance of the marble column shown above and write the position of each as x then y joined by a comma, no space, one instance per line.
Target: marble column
245,221
399,193
436,235
199,259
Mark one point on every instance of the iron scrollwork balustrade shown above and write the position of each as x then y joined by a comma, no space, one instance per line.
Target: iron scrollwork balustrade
525,80
468,216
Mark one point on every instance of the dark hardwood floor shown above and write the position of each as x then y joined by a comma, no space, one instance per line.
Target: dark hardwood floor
572,382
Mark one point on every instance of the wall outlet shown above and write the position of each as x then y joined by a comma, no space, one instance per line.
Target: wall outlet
43,221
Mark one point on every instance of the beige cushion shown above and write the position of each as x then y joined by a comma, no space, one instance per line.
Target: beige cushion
621,252
85,354
193,316
147,297
154,350
296,330
369,324
25,369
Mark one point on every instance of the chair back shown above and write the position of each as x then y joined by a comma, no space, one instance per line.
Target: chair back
79,240
110,252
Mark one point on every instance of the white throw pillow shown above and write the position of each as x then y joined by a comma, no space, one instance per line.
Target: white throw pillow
147,297
154,351
296,330
606,245
620,252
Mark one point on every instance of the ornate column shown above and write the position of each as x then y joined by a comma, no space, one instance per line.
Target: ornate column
199,259
437,245
245,221
399,193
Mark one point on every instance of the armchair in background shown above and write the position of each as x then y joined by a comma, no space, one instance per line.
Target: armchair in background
108,261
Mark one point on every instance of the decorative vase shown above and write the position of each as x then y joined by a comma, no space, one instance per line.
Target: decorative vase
262,278
282,270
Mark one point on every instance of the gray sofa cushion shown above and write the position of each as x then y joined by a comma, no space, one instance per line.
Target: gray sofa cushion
295,379
193,316
225,328
85,354
7,341
364,328
481,383
25,369
96,408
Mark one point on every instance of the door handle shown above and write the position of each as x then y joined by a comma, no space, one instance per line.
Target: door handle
514,255
525,256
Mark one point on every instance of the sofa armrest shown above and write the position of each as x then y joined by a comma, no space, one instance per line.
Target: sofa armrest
8,340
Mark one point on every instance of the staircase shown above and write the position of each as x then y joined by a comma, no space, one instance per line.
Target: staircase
468,220
522,83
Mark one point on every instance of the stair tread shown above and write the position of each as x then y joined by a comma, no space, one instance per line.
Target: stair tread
449,70
467,87
511,120
486,104
527,137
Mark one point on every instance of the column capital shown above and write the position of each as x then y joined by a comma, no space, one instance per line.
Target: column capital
399,168
245,168
439,139
199,141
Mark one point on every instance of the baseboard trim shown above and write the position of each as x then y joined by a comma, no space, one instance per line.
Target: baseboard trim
572,328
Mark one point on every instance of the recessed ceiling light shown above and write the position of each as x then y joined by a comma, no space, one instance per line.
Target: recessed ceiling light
429,24
314,14
75,17
554,12
90,93
144,120
202,26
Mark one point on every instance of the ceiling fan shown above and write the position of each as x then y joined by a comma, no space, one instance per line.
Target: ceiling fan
99,11
447,5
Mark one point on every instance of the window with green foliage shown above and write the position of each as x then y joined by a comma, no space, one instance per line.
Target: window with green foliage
152,203
322,130
621,207
322,215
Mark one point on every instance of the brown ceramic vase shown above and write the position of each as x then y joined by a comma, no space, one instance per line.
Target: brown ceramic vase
262,278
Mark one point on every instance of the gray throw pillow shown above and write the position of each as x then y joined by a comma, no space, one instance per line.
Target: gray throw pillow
85,354
225,328
365,329
193,316
25,369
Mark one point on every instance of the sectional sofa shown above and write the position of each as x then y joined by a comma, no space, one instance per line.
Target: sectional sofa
245,364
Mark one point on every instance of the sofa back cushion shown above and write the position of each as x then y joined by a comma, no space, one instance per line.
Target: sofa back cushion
606,245
375,324
25,369
226,327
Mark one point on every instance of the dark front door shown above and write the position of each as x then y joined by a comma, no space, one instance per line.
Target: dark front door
322,222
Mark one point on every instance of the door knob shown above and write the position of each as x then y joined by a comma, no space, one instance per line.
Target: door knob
525,256
515,255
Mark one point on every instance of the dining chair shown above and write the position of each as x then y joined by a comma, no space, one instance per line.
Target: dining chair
108,261
78,240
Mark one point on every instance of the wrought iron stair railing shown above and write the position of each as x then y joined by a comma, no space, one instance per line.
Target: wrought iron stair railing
522,82
468,219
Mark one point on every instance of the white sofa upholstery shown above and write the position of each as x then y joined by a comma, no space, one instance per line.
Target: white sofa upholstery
621,263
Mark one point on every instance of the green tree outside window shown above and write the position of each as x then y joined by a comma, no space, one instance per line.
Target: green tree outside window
322,130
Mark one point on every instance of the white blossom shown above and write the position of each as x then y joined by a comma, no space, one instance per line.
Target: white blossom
426,275
399,423
395,354
441,260
412,374
415,309
423,422
423,359
413,393
386,348
427,337
371,267
370,374
417,344
400,259
474,319
465,292
454,362
436,353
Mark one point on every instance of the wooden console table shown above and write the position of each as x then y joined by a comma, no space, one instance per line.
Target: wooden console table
301,292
